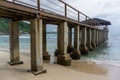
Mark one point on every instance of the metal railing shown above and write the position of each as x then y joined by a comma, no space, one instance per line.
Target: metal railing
57,7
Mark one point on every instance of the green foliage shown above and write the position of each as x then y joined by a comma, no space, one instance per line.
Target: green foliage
5,23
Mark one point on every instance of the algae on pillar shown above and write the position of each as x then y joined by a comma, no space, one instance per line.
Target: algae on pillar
14,44
76,52
63,57
46,55
36,33
84,49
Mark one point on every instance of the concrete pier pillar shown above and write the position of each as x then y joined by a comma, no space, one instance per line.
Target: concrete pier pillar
76,52
63,58
36,33
57,51
84,49
14,44
93,38
99,37
46,55
89,41
96,37
70,47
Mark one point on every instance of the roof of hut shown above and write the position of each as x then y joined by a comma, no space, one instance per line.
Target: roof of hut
101,21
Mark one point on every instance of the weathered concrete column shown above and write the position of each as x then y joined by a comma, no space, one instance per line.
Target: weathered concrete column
89,42
97,37
93,38
14,44
76,52
100,37
57,51
36,33
46,55
63,58
84,49
70,47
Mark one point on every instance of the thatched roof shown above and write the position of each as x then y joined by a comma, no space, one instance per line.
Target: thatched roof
102,22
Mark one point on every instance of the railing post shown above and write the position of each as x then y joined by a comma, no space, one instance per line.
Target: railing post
13,0
78,16
38,4
65,10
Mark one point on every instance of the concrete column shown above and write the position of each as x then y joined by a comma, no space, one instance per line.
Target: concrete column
89,41
57,51
96,37
14,44
100,37
36,33
93,38
84,49
70,47
63,58
76,52
46,55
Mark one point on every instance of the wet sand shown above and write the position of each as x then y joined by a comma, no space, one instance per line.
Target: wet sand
80,70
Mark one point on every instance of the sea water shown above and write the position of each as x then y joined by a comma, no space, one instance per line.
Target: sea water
108,53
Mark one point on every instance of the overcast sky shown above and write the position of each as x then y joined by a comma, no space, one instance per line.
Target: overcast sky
104,9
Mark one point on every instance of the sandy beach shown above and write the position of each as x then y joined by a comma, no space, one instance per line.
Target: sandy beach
80,70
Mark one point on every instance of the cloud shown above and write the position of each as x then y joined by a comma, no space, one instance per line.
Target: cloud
104,9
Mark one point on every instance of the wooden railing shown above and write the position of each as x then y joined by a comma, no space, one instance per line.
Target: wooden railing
69,11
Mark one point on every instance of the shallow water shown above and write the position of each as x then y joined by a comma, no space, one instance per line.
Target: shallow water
107,53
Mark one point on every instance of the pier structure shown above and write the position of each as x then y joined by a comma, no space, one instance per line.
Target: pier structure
87,34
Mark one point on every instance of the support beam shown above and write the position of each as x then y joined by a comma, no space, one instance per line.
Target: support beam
84,49
36,46
46,55
70,47
14,44
63,58
76,52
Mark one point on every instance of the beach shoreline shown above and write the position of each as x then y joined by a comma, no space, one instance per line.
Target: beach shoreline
80,70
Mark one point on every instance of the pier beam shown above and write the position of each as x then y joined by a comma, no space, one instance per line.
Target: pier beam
14,44
76,52
84,49
89,39
46,55
70,47
36,33
63,58
93,38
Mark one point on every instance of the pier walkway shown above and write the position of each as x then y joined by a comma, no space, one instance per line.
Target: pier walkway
88,33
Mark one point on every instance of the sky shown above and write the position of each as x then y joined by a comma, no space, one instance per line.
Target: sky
104,9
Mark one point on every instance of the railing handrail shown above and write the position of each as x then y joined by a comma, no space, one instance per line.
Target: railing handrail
79,12
65,11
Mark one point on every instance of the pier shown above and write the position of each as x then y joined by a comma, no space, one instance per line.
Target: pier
89,33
